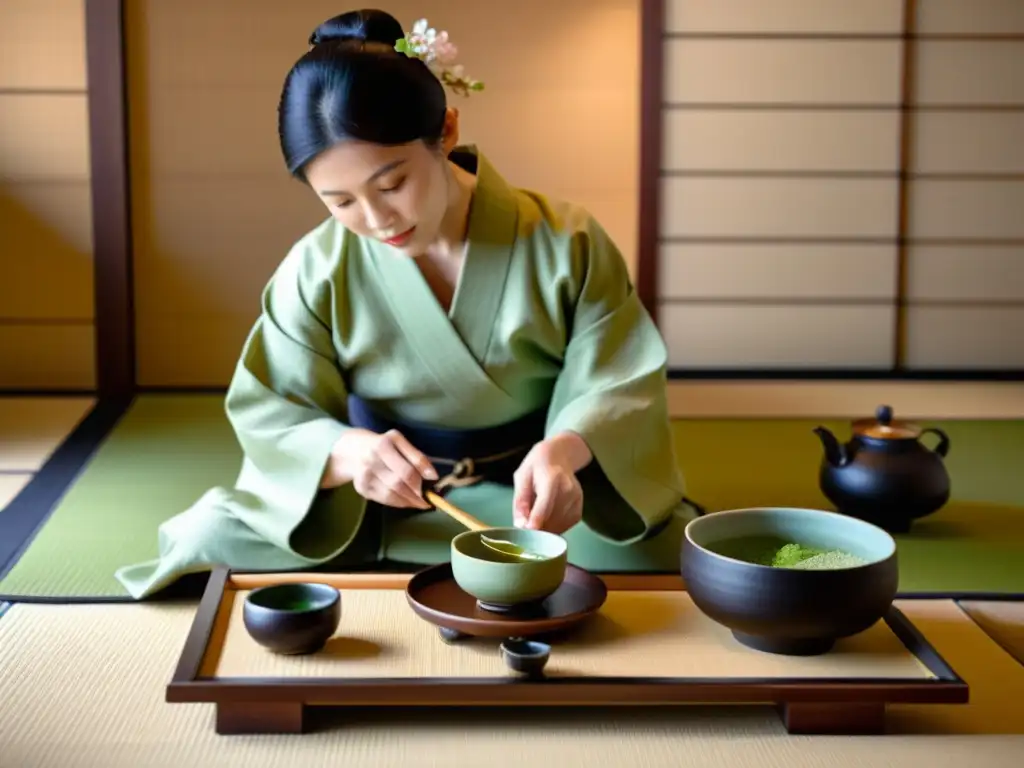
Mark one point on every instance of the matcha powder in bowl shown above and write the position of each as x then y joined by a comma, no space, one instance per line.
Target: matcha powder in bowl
778,553
828,561
808,559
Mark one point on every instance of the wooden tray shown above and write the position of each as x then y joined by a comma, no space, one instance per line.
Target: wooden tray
648,644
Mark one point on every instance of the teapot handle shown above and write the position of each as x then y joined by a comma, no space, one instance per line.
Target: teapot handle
943,447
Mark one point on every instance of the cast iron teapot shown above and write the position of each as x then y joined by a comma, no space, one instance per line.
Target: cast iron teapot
885,474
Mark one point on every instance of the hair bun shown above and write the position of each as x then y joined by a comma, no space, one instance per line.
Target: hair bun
369,25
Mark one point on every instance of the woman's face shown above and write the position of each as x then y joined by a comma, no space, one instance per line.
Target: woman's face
397,195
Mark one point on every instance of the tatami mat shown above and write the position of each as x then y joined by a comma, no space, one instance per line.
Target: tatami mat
10,485
84,685
1002,620
168,450
31,428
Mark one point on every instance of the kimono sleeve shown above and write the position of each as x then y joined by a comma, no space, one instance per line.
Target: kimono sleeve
287,404
612,392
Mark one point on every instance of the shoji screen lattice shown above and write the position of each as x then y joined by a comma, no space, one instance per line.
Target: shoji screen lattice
841,185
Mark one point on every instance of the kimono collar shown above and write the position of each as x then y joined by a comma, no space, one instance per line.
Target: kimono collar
453,345
493,211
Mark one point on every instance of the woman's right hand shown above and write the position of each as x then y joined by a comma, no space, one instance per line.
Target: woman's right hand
383,468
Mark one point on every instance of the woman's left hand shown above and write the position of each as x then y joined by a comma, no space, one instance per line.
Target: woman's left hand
548,496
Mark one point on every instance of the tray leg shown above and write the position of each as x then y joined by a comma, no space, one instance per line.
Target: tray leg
852,717
240,717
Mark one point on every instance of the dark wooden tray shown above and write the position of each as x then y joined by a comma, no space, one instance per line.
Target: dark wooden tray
275,702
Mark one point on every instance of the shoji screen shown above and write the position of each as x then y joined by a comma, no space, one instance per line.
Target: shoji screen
46,250
779,205
965,267
787,158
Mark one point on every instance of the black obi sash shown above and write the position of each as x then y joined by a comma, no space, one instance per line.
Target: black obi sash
461,456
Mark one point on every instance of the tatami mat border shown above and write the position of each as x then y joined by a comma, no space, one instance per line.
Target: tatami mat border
30,509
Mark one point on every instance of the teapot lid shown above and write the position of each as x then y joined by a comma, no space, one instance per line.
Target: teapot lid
884,427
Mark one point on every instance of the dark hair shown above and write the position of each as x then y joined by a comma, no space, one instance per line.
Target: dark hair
353,84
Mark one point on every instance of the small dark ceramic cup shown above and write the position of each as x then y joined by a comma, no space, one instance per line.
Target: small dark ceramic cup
786,610
527,657
292,619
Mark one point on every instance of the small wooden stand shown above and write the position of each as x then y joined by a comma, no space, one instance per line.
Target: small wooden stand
241,717
821,718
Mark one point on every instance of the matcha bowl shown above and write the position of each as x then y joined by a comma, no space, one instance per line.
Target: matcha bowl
789,580
292,619
505,583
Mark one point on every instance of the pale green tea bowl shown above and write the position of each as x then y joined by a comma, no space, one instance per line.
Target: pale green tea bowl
502,582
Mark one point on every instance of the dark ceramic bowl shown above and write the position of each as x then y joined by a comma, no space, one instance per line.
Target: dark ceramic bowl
781,609
292,619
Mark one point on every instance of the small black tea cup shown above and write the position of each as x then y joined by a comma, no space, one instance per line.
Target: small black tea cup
292,619
527,657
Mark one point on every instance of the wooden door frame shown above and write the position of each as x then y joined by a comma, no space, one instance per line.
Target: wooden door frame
111,198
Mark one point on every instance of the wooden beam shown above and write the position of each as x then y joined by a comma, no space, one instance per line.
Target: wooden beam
907,97
652,52
111,200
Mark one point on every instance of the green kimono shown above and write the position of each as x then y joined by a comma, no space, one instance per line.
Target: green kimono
544,316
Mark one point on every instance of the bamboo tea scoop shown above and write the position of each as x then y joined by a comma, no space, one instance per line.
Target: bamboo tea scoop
499,545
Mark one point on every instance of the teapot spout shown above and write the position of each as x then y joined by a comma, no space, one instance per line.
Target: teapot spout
835,453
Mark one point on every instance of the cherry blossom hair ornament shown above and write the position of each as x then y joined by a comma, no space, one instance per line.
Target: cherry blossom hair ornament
436,50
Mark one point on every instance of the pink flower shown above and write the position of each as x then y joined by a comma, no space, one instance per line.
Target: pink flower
444,50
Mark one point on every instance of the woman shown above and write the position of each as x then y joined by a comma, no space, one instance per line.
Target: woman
439,329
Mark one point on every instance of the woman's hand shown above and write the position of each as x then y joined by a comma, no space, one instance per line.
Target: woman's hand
547,494
383,468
